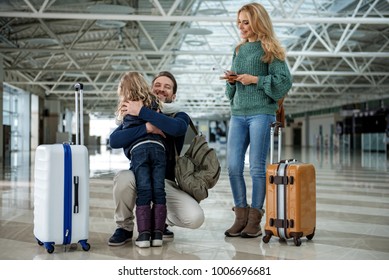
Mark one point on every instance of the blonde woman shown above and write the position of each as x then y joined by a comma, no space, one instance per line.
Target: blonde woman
259,77
148,162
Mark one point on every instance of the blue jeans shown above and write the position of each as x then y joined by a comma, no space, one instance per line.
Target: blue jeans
245,131
148,162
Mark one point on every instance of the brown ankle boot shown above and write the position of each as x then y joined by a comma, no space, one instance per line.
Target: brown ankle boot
253,227
240,222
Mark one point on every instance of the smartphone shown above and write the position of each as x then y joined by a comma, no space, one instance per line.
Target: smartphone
228,74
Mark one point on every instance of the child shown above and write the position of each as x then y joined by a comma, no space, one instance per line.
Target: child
148,162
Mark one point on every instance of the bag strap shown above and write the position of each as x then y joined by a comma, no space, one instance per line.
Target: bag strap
192,126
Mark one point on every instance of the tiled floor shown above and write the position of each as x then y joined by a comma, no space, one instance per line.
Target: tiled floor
352,215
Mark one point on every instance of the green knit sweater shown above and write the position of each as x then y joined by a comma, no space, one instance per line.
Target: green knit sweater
274,82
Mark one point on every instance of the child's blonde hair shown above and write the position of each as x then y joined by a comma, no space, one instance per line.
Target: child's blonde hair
133,87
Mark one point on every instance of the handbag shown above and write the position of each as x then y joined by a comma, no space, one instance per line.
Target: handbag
280,113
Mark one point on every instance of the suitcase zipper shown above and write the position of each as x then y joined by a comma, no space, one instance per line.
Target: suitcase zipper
67,227
282,202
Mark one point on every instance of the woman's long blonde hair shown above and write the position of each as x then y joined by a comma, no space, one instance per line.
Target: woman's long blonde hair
133,87
262,26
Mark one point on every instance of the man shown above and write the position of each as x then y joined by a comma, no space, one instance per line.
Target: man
182,209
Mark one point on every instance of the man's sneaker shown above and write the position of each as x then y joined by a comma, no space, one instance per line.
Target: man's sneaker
120,237
156,238
167,234
143,240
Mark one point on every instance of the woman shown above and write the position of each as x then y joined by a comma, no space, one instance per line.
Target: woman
259,77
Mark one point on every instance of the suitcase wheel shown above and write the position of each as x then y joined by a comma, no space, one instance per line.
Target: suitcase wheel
40,243
48,245
86,247
297,241
268,235
310,236
49,248
266,238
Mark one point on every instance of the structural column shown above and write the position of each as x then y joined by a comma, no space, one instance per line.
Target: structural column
1,111
306,130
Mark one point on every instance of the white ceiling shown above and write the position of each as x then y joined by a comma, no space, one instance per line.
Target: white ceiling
338,50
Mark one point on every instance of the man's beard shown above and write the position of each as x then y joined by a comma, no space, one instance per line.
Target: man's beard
160,95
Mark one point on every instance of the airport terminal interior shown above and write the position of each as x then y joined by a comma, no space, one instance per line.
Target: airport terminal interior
352,215
337,116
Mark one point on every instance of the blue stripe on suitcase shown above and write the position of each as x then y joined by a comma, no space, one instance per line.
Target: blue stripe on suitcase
67,229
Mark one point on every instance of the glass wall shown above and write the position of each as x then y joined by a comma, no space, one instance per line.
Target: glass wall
16,115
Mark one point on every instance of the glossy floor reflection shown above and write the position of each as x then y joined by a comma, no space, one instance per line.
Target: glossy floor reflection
352,214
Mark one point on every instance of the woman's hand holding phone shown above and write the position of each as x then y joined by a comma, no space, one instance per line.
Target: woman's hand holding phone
230,76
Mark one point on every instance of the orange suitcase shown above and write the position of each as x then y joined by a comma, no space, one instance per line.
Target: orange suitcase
290,197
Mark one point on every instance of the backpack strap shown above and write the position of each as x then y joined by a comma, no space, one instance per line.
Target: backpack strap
190,123
192,126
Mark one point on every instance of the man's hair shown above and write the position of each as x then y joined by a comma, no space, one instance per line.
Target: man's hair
170,76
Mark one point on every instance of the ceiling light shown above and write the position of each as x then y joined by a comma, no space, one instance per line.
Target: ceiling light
212,12
174,66
352,43
110,9
195,31
42,41
307,62
73,75
184,61
110,23
357,34
120,67
195,43
119,57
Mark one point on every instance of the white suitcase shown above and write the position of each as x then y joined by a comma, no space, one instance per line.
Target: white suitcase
61,192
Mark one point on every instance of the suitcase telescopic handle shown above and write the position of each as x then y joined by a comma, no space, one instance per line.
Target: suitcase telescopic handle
273,127
78,98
